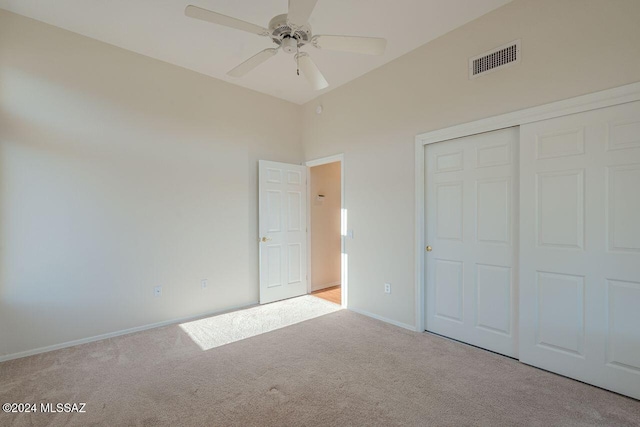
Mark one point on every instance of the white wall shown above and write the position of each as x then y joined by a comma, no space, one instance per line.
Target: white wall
119,173
326,241
569,48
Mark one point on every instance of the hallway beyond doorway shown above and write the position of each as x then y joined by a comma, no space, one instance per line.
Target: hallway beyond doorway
332,294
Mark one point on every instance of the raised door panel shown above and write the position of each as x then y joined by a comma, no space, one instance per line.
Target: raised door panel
449,291
560,312
493,155
294,178
493,210
449,162
623,134
623,208
623,318
274,176
493,298
449,210
295,261
294,214
560,143
274,211
560,209
274,264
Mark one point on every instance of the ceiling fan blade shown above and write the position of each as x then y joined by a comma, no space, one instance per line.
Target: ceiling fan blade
311,72
300,11
227,21
364,45
252,62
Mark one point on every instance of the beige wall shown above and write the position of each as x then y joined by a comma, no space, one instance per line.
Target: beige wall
325,226
119,173
569,48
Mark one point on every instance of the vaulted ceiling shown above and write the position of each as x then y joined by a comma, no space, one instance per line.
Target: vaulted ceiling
159,29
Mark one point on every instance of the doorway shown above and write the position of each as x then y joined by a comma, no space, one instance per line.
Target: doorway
326,231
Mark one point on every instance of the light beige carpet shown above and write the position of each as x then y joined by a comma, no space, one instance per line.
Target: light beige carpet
336,370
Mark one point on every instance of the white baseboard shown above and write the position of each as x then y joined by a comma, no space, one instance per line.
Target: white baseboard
118,333
384,319
324,286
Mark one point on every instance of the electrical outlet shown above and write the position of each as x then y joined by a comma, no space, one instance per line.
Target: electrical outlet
157,291
387,288
204,283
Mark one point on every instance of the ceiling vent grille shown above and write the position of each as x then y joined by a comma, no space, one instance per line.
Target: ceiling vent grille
494,59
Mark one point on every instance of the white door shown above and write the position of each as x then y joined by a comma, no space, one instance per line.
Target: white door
580,252
471,214
283,230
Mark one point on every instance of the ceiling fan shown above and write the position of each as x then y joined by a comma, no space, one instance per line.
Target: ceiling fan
291,32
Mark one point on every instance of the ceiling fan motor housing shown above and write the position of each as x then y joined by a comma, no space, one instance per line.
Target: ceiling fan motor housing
290,38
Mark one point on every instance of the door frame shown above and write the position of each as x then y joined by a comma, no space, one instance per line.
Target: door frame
343,224
579,104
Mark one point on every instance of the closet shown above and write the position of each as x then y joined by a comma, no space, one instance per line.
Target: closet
533,243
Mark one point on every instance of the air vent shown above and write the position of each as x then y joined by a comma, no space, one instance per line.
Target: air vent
494,59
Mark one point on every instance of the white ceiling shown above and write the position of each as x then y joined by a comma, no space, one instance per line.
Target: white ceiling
159,29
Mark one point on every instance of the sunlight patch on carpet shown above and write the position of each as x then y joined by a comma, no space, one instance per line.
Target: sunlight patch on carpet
235,326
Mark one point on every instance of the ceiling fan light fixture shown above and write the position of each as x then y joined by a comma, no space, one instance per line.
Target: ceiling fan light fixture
289,45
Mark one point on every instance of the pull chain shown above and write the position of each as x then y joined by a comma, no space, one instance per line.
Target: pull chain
297,59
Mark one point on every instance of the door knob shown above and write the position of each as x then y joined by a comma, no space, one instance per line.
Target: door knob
429,248
265,239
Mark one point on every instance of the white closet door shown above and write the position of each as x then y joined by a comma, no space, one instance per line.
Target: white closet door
580,247
471,203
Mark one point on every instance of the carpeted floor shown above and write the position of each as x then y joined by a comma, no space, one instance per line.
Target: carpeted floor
237,325
336,370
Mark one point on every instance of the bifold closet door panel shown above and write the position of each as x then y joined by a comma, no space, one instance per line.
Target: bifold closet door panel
580,246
